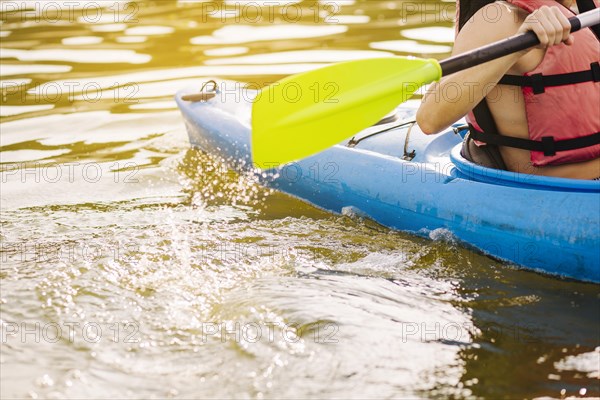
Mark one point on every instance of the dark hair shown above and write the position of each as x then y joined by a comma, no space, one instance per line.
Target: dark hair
468,8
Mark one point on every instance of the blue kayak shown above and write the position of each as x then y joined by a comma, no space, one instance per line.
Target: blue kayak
409,181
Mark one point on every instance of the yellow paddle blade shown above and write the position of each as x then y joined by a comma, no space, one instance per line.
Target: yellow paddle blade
306,113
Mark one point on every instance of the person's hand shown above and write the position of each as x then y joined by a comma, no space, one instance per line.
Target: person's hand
550,25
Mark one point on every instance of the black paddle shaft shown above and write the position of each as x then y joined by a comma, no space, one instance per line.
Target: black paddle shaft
510,45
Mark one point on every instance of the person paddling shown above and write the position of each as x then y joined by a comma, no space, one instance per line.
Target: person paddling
539,109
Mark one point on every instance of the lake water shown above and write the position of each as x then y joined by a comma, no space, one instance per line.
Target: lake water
136,267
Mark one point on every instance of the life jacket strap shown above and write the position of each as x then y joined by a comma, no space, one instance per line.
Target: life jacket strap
547,145
539,82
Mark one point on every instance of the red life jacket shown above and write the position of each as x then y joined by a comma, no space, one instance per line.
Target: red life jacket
562,100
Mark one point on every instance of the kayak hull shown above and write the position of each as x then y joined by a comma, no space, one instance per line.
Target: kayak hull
413,182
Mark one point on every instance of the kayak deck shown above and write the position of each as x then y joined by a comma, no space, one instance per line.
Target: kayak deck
413,182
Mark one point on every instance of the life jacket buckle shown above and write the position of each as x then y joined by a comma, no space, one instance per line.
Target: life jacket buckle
548,146
537,83
595,67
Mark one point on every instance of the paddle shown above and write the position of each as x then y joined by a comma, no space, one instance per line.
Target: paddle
309,112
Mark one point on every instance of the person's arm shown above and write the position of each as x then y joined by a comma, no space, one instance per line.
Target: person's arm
454,96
